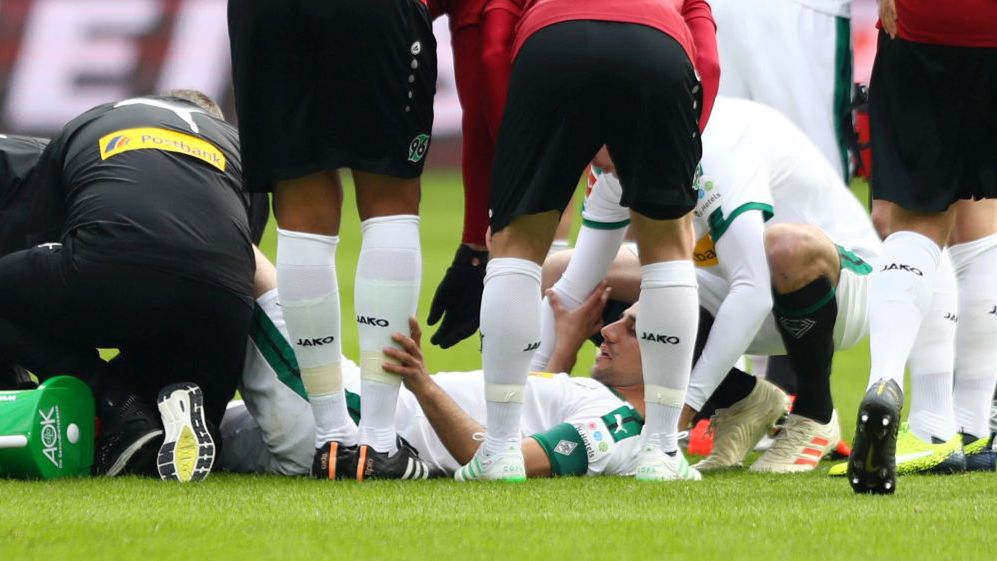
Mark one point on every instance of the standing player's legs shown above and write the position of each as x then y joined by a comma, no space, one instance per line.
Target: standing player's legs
974,256
806,268
654,110
388,277
283,105
921,160
316,92
308,214
543,146
667,339
932,361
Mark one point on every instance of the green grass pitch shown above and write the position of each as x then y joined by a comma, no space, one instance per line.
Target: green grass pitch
733,515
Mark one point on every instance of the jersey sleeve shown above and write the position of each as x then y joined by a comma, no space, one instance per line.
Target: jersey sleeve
601,209
745,306
734,180
596,438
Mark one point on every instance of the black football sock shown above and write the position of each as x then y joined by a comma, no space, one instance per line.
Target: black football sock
805,319
780,372
735,386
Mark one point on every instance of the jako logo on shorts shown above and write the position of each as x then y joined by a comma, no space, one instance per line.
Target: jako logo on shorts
160,139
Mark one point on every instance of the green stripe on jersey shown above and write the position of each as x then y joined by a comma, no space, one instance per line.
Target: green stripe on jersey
605,225
843,128
853,262
565,450
276,351
719,223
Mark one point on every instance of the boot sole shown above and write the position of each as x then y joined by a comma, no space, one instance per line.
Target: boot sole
188,451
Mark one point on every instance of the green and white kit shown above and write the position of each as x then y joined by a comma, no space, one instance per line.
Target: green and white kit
584,427
756,161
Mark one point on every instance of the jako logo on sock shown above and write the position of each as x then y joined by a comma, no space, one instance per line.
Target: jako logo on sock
901,267
532,347
315,342
666,339
368,320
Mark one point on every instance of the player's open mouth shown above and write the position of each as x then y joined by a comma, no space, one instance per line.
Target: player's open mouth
604,352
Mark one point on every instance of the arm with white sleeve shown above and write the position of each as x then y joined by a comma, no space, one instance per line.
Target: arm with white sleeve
604,225
741,254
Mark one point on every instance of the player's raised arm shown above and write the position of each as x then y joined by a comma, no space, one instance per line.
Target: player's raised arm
455,428
574,326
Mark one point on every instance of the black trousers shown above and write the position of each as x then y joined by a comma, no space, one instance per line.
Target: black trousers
56,310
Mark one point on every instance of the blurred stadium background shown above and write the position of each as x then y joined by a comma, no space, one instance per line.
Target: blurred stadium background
59,58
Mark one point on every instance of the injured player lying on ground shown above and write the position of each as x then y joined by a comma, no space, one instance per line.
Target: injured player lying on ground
571,426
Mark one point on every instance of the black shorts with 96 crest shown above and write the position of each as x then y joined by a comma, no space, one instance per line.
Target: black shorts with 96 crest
325,84
577,85
933,118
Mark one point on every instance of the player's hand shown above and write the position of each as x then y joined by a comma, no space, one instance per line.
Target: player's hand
573,327
888,17
603,160
458,298
408,360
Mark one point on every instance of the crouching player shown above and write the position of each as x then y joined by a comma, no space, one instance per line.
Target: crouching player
131,191
796,287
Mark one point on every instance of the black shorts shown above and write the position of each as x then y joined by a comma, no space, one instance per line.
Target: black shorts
580,84
933,115
56,309
325,84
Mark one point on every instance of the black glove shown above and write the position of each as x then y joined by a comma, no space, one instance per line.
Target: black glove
459,296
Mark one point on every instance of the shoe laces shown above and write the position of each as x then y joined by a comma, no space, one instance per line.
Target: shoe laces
787,443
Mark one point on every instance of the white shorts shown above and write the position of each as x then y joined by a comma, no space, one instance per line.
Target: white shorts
793,58
850,326
273,431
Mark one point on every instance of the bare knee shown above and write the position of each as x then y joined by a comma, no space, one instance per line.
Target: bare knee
798,255
881,217
310,204
383,195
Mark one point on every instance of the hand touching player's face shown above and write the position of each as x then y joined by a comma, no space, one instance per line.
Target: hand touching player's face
618,362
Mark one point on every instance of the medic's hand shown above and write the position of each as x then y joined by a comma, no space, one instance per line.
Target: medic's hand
458,298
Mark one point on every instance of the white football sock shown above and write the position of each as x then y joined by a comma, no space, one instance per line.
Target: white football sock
510,331
900,296
387,294
976,336
309,296
667,321
932,361
595,250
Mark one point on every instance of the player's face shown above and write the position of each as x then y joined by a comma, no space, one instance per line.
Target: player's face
618,361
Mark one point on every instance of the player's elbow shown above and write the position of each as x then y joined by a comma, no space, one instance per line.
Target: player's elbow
754,300
495,58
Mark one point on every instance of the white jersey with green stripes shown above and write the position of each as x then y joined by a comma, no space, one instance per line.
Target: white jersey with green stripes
754,158
584,428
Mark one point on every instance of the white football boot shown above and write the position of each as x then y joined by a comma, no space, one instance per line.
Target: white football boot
739,427
508,465
800,446
653,464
